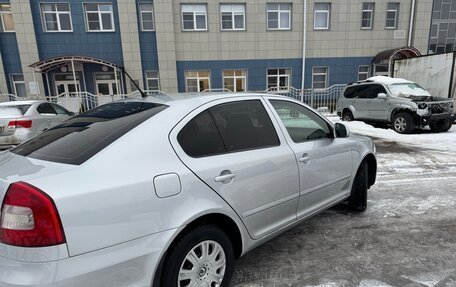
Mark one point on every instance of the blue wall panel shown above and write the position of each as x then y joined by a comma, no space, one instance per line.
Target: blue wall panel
341,70
148,44
10,56
102,45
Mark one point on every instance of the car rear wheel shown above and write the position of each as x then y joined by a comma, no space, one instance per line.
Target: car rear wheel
358,198
203,257
347,116
403,123
441,126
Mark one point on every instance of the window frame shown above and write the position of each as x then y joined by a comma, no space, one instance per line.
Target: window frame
141,19
99,13
14,82
195,28
235,77
233,14
2,21
198,78
327,12
57,13
150,78
278,76
396,15
319,74
371,18
367,73
279,11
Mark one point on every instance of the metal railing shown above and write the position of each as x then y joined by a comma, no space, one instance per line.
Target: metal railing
323,100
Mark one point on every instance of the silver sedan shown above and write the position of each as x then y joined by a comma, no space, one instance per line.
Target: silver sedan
22,120
169,190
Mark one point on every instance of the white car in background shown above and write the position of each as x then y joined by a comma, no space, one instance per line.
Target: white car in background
22,120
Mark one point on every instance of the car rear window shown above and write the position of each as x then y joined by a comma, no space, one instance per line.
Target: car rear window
78,139
18,110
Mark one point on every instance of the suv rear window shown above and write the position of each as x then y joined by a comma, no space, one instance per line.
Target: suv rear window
78,139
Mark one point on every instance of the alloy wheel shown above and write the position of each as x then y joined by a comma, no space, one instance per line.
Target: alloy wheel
204,266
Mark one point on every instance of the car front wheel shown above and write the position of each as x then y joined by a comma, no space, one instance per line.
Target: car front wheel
347,116
358,198
403,123
203,257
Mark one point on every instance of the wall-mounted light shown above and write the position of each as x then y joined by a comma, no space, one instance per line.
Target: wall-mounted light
104,68
64,69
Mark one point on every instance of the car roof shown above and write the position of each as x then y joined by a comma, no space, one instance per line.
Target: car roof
19,103
383,80
196,99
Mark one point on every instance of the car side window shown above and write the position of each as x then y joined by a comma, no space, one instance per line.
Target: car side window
301,123
362,92
200,137
46,108
350,92
374,90
60,110
244,125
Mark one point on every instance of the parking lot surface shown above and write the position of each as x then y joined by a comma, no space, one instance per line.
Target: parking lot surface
406,237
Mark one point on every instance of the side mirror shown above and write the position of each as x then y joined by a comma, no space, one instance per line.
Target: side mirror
381,96
342,131
71,114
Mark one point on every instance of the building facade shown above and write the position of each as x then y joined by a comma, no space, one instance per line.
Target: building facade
50,47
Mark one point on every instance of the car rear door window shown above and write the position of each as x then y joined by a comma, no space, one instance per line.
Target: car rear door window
301,123
46,109
81,137
244,125
200,137
60,110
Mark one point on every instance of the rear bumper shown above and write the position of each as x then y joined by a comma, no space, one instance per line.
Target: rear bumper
18,137
129,264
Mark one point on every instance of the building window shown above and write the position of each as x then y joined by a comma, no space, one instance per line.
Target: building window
392,12
6,18
18,84
367,15
146,11
363,72
279,16
234,80
152,81
194,17
322,15
197,81
319,77
56,17
99,17
233,16
279,78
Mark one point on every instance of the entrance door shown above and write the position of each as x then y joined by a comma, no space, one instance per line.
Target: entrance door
64,83
106,84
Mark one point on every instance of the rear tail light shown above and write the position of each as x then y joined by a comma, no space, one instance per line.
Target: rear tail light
20,124
29,218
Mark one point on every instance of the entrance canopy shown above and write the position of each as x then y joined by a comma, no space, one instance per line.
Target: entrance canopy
383,62
385,57
53,63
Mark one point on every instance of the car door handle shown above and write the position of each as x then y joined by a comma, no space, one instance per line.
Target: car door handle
224,178
305,159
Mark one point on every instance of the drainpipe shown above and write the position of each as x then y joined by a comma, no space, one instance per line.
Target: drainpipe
412,19
304,35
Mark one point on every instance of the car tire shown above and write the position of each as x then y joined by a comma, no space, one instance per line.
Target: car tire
358,197
191,247
441,126
347,116
403,123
